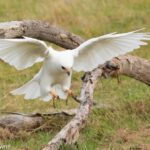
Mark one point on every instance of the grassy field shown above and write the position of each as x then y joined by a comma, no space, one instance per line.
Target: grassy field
127,126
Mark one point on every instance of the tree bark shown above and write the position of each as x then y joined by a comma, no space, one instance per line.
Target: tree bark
128,65
40,30
19,121
135,67
15,122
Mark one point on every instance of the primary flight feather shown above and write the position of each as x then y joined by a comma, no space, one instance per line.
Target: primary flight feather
56,71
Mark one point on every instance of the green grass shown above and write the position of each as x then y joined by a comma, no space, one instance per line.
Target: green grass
130,99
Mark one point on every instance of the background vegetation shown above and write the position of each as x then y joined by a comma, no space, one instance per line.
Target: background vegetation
127,125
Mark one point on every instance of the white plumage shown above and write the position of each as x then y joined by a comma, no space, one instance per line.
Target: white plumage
55,74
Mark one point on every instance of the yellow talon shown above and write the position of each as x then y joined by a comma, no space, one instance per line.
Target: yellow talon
70,93
54,97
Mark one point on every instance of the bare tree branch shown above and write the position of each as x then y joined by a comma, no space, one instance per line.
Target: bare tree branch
40,30
132,66
20,121
16,122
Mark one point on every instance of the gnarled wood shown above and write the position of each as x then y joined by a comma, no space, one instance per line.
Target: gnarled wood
135,67
132,66
16,122
19,121
40,30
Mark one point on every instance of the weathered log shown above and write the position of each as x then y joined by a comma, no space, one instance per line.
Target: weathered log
18,121
135,67
15,122
40,30
132,66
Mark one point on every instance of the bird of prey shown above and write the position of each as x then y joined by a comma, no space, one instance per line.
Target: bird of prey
54,78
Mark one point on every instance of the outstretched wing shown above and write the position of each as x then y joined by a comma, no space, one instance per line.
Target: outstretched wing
22,53
98,50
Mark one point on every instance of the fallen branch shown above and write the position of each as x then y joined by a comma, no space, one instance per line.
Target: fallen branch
18,121
70,112
15,122
40,30
132,66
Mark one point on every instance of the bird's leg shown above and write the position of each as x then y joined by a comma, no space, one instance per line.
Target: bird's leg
54,97
70,93
118,77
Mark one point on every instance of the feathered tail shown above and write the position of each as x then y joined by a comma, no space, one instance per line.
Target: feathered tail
31,89
39,88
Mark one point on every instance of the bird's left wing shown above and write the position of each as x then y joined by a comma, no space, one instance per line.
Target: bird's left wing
22,53
98,50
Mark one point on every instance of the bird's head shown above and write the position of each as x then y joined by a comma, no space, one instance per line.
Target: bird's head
66,70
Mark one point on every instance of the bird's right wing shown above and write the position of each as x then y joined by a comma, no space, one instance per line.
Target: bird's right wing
22,53
97,51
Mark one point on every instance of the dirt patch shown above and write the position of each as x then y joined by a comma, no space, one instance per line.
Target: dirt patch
5,134
132,140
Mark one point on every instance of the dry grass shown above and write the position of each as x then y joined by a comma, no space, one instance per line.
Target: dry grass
5,134
127,139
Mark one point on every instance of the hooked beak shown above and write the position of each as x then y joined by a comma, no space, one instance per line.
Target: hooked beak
68,72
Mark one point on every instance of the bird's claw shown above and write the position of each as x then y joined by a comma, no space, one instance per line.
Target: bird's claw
54,97
70,93
75,97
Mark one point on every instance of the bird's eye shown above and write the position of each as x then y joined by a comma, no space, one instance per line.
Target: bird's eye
63,67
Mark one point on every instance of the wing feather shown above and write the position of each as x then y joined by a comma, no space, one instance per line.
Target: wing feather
98,50
22,53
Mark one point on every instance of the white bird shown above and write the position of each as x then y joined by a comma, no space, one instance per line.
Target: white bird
54,77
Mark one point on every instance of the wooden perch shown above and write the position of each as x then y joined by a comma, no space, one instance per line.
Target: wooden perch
40,30
128,65
135,67
18,121
15,122
132,66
